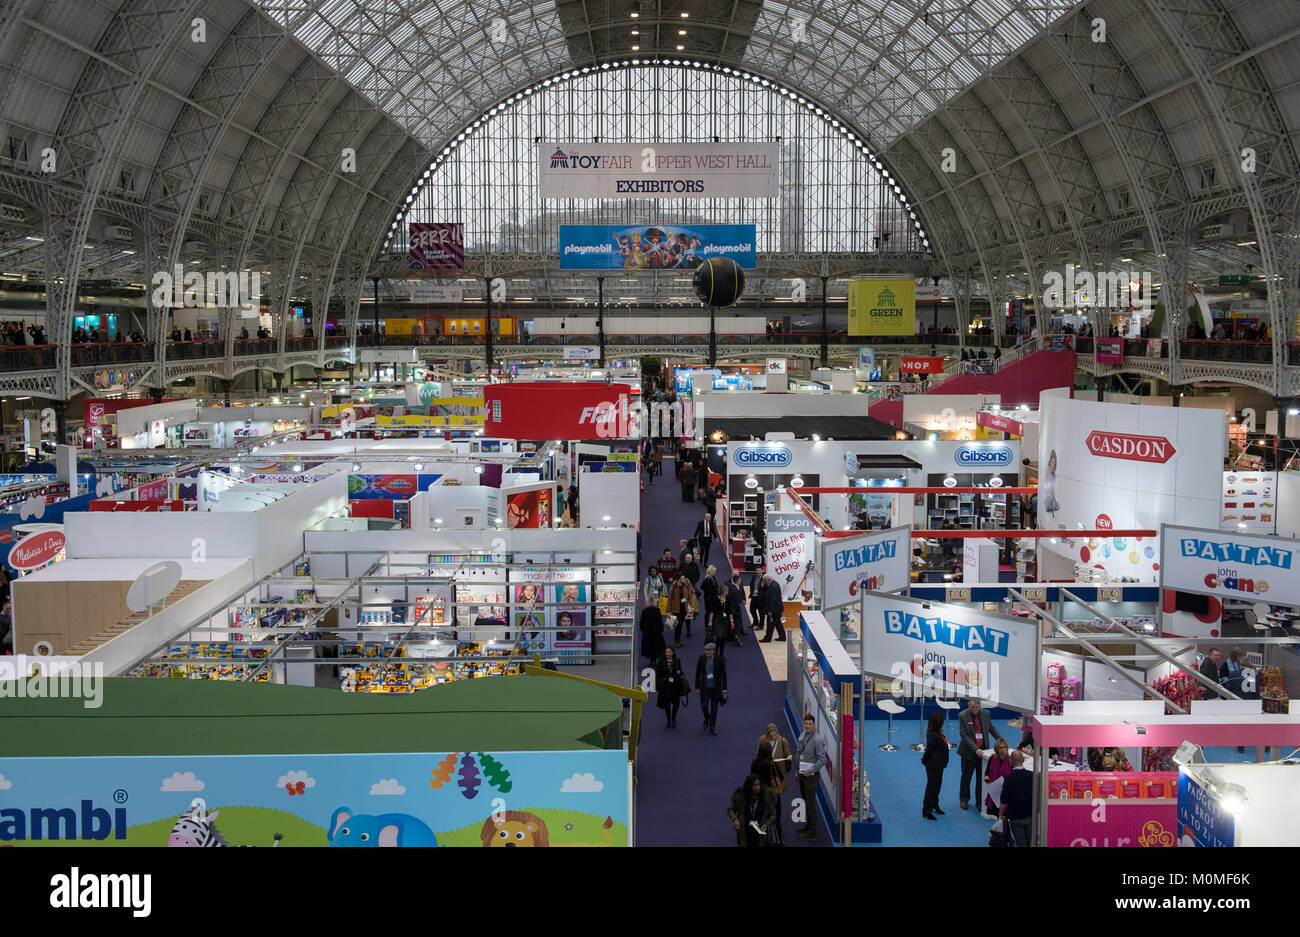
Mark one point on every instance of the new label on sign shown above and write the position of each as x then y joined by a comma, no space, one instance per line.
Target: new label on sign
874,562
762,457
35,550
1127,446
983,456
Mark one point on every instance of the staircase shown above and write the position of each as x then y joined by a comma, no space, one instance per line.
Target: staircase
101,638
1019,376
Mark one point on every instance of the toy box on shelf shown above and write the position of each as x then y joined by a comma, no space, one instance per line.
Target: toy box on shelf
1180,688
1272,690
229,669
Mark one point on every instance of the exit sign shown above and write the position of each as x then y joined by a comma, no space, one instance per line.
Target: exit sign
1234,278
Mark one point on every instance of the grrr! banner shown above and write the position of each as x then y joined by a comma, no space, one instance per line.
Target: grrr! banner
882,306
655,247
436,246
659,170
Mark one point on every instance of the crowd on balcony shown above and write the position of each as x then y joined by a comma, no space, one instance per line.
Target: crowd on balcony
1247,333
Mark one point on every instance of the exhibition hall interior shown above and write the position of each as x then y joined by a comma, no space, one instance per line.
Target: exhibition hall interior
650,423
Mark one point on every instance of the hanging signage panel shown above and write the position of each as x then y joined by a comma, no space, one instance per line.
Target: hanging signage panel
951,650
1246,567
655,246
658,170
874,562
882,307
559,410
437,246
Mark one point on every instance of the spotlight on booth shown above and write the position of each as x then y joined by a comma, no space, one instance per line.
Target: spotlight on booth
356,466
438,521
1189,753
1233,798
419,466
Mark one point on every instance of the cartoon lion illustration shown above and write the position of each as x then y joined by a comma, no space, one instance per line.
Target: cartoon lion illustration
515,828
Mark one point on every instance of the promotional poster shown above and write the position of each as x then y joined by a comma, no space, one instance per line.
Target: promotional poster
882,307
1111,466
560,798
655,247
436,246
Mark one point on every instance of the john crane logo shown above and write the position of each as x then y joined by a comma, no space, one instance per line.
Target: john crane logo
763,457
983,455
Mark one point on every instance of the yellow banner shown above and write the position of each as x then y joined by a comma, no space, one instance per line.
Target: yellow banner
882,307
415,420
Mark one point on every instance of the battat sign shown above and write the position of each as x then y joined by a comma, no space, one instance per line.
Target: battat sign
1134,448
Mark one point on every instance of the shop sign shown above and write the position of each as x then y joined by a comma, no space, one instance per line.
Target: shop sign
959,594
1231,566
995,481
1112,445
910,365
1104,522
764,457
983,456
581,352
751,482
35,550
1110,351
775,365
872,562
1031,593
1110,594
1001,423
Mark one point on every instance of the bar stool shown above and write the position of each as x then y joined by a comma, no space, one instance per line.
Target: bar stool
920,746
893,709
946,705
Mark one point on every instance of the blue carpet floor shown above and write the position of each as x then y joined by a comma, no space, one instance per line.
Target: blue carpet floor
685,776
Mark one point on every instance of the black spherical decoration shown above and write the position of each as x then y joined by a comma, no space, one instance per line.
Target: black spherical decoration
719,281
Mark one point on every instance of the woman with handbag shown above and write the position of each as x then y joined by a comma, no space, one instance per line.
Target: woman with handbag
716,623
655,588
682,604
999,766
670,684
773,747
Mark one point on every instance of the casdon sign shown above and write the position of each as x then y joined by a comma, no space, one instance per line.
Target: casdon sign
983,456
763,457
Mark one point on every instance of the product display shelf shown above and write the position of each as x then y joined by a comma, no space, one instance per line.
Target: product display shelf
1272,690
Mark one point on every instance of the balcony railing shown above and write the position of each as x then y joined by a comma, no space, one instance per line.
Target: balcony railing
1207,349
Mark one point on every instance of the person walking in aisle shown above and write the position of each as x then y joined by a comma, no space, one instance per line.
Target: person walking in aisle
654,588
670,684
652,632
752,812
1018,801
756,603
810,759
773,609
935,760
573,504
773,747
668,565
975,728
559,501
711,685
683,604
735,609
689,478
709,585
704,537
690,569
715,618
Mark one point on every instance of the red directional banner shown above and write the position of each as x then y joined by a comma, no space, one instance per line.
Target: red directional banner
1111,445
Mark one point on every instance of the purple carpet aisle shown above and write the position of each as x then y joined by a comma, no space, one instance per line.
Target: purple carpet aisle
685,775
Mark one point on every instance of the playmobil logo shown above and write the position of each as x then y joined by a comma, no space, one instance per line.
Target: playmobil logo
763,457
983,455
948,633
1134,448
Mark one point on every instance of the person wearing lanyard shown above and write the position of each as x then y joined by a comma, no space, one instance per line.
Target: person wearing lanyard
811,758
711,685
974,726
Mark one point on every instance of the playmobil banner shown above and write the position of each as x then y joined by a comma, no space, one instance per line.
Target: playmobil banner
874,562
658,170
655,247
563,798
1248,567
944,650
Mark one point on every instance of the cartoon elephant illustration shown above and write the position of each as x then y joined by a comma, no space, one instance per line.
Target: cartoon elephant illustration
386,829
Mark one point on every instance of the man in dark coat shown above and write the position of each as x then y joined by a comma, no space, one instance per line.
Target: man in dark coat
652,632
711,684
773,609
977,732
735,608
689,479
704,537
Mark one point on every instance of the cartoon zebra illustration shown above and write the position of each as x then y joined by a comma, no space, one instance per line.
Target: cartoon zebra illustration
197,827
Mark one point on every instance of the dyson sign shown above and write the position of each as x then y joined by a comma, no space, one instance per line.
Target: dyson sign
762,457
983,456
